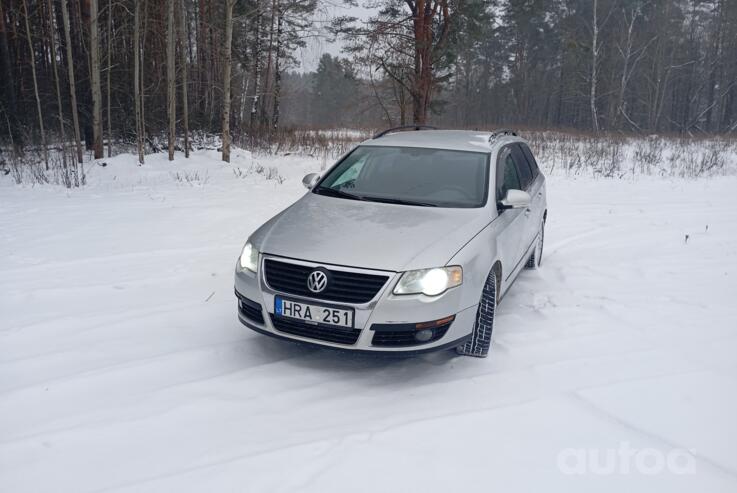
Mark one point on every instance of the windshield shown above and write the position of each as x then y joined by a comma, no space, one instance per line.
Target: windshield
410,176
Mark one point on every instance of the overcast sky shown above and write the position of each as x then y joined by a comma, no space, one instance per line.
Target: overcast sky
316,47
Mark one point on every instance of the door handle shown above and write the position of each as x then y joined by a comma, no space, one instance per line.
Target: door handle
528,211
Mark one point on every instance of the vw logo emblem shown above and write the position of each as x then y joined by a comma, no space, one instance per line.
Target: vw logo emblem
317,281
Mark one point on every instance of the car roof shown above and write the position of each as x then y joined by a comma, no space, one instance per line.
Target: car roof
456,140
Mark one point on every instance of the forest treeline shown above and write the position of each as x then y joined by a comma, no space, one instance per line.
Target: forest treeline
639,66
86,72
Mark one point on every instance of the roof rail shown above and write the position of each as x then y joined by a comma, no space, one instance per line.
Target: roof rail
501,132
403,127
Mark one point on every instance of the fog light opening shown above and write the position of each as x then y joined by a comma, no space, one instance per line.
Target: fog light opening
423,335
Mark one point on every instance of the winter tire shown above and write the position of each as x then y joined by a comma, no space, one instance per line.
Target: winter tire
480,341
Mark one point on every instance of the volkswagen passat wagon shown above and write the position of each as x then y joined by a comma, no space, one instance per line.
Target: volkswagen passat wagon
405,245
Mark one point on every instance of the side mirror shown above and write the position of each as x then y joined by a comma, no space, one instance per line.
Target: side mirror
515,199
310,180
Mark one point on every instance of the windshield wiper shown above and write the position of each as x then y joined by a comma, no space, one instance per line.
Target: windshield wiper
388,200
334,192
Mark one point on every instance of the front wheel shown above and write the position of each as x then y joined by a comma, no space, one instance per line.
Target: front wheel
537,254
480,342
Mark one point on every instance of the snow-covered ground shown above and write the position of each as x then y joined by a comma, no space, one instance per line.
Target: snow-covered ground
123,365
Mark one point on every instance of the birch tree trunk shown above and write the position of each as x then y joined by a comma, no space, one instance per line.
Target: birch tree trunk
631,56
257,64
183,62
137,79
79,168
626,55
95,80
243,101
277,65
267,74
594,63
227,60
35,86
58,96
171,78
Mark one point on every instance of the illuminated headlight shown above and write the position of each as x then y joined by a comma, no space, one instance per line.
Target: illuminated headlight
249,258
430,282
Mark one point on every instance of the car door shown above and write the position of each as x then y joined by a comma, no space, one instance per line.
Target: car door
536,191
529,185
512,222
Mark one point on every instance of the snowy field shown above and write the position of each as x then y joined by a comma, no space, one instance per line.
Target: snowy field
123,366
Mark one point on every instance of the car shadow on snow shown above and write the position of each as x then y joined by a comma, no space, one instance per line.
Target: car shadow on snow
332,362
398,370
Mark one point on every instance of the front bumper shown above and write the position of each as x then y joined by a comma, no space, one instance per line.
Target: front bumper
383,313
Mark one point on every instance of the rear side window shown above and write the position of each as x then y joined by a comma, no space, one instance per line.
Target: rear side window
508,178
523,169
530,160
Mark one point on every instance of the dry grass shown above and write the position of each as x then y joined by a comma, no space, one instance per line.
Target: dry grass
558,152
615,156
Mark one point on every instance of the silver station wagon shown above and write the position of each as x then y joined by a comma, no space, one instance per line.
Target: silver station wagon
405,245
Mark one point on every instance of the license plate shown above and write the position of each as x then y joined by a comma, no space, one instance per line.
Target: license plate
314,314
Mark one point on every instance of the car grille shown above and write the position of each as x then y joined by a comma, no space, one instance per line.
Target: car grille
251,310
346,287
398,335
327,333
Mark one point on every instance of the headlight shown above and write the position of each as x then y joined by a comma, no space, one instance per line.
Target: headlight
249,258
431,282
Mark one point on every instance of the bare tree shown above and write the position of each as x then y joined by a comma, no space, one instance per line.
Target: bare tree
144,25
201,42
79,170
631,57
171,77
268,88
277,64
257,64
245,81
58,92
412,45
227,61
716,64
595,47
181,13
109,70
95,81
35,86
137,79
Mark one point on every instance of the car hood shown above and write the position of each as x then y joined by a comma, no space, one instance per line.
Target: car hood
371,235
